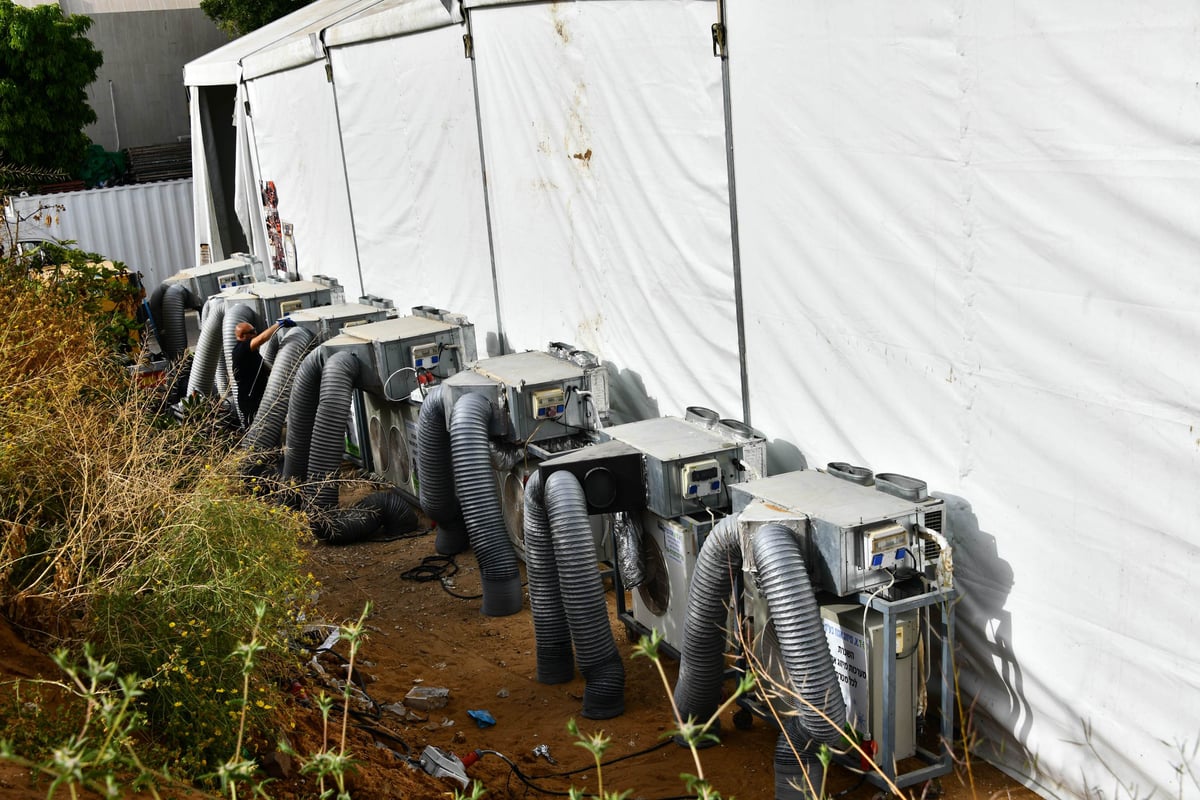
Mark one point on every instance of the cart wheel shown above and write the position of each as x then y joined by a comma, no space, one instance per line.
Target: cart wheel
743,720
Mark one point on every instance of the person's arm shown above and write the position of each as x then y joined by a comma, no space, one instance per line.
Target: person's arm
259,340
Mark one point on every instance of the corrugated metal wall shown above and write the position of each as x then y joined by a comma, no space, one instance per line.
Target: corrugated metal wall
148,226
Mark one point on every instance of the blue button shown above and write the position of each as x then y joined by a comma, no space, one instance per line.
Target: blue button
877,560
900,554
692,489
420,362
434,359
541,412
560,409
716,486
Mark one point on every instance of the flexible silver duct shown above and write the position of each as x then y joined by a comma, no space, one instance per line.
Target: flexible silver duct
208,350
565,563
551,633
327,447
234,316
385,513
475,484
302,411
435,470
270,347
702,659
171,327
266,431
783,581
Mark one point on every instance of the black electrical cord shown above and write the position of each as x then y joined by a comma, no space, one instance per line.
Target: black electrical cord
648,750
437,568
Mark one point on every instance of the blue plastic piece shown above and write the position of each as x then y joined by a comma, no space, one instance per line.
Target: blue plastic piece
877,560
483,718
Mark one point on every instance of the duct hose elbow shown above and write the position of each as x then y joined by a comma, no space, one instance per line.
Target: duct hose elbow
437,497
783,581
208,352
301,411
551,633
702,659
327,445
799,773
266,431
173,330
475,485
582,592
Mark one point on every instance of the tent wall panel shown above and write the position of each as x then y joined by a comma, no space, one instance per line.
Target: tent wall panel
296,138
989,217
412,158
604,137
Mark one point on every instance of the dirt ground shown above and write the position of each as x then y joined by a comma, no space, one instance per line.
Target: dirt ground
421,635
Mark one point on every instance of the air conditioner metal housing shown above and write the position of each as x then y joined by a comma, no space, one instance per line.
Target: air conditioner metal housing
688,467
611,474
274,299
670,548
206,280
852,535
535,395
391,349
325,322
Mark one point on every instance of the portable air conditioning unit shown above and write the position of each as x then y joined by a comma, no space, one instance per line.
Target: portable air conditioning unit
404,353
862,537
206,280
688,467
855,537
536,396
325,322
274,299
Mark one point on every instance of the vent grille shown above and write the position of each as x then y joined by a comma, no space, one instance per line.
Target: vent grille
932,551
933,520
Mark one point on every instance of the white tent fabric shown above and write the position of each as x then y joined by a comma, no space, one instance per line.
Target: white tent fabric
967,253
412,161
604,142
297,140
247,197
975,236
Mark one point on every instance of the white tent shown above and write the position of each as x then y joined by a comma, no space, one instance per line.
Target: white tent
951,239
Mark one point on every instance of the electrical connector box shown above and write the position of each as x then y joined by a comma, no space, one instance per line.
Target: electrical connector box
548,403
426,356
701,479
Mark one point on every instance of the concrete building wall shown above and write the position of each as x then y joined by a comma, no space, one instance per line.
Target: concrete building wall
138,95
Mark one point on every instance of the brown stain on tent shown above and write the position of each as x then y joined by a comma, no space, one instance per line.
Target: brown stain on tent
560,25
585,156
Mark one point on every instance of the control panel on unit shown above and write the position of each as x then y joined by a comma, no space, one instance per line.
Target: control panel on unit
857,537
701,479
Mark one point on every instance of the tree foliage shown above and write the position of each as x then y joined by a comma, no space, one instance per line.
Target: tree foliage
46,62
237,17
